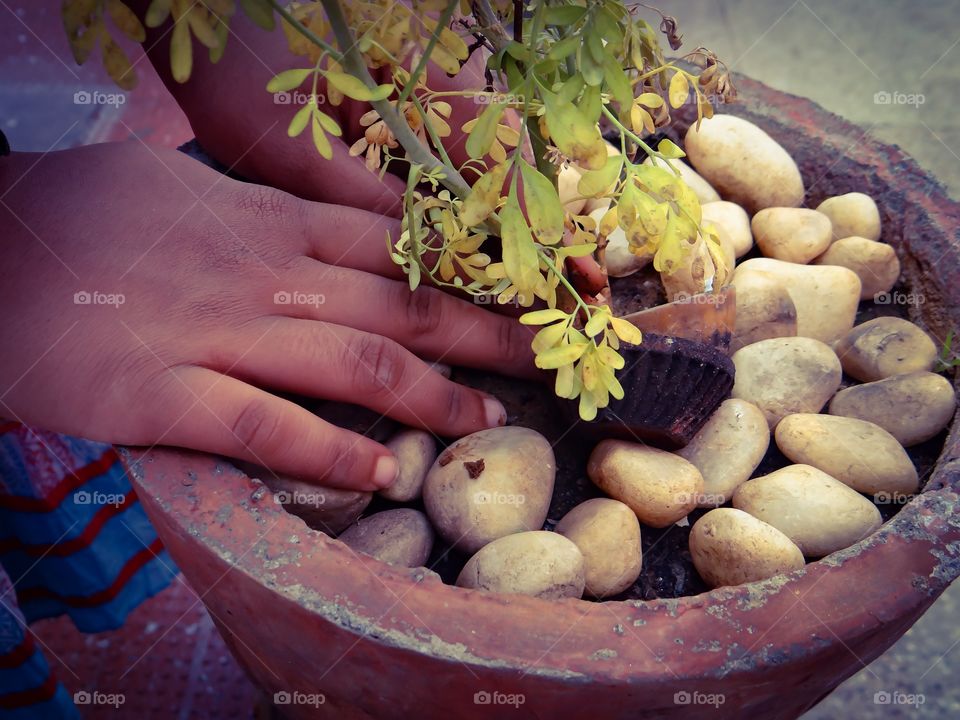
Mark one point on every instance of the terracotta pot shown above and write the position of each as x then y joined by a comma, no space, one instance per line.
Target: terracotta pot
303,613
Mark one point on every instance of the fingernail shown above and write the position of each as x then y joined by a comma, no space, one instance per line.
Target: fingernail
385,471
494,413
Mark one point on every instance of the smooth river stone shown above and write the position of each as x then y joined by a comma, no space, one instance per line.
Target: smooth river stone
728,449
886,346
401,537
415,451
783,376
796,235
826,297
744,163
856,452
875,263
912,407
764,309
732,222
819,513
852,214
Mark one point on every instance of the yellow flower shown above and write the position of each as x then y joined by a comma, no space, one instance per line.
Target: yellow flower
376,137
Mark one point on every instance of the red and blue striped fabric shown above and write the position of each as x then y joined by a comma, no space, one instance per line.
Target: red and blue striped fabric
74,540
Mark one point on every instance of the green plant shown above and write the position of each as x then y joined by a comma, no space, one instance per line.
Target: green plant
563,67
948,359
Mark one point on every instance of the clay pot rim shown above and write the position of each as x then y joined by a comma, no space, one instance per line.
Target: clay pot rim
919,545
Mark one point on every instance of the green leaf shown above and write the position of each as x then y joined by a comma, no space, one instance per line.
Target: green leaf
596,324
320,141
288,80
519,51
596,183
669,149
328,123
542,317
355,88
564,48
485,131
543,205
563,15
578,250
300,120
591,103
260,12
570,89
617,81
574,134
559,356
590,68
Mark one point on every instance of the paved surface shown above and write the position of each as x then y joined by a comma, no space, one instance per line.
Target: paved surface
889,66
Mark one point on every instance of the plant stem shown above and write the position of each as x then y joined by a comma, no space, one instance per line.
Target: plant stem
353,63
431,132
630,134
305,31
425,58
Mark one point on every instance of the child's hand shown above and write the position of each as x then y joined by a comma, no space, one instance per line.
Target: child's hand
147,299
244,127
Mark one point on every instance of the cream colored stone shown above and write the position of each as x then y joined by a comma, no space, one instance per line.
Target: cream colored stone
912,407
415,451
875,263
765,309
885,346
538,563
608,535
732,221
730,547
728,449
856,452
826,297
489,484
852,214
817,512
658,486
783,376
796,235
744,163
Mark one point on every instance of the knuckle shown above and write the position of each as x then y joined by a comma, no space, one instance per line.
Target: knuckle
424,310
377,365
267,203
257,429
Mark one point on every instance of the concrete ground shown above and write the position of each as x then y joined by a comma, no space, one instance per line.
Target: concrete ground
888,65
891,67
